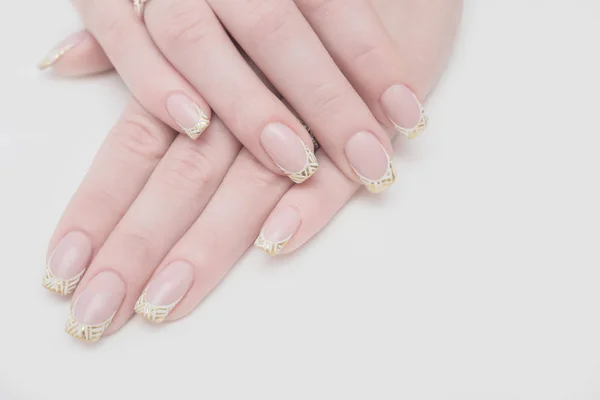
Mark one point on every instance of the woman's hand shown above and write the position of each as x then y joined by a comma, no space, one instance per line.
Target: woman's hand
334,61
160,219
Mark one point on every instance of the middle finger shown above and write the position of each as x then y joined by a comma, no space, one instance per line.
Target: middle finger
280,41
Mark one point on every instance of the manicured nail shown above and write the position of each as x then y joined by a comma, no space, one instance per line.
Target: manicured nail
278,230
67,263
289,152
370,162
95,308
187,115
61,49
405,111
165,291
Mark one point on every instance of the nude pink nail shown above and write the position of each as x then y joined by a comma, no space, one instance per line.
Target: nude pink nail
370,162
187,114
61,49
67,263
404,110
289,152
165,291
96,306
279,229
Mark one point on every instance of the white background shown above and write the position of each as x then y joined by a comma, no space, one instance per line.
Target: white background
476,277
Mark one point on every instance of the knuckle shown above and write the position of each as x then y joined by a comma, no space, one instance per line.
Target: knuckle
257,176
366,54
263,178
328,100
191,166
105,199
265,20
140,136
138,243
182,24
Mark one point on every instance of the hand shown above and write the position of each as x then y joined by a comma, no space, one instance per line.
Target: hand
182,212
332,60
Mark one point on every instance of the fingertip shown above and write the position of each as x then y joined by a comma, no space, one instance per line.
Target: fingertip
77,55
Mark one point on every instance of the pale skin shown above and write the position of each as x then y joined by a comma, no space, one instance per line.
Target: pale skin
333,61
183,211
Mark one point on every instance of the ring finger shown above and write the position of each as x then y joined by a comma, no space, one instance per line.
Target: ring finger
283,45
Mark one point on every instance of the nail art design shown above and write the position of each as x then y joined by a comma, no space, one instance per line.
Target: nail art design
421,126
87,333
270,247
150,312
138,6
197,130
309,169
381,184
54,56
58,285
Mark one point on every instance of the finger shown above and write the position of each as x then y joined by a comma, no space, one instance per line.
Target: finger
301,214
185,29
280,41
122,166
361,46
77,55
210,247
174,196
330,190
224,231
149,76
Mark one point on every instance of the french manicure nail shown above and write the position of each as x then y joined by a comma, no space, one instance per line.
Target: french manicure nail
370,162
165,291
61,49
95,308
67,263
278,230
289,152
405,110
188,115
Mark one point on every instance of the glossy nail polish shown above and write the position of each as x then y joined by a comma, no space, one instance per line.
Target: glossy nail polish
60,50
96,306
188,115
165,291
279,229
370,162
405,111
289,152
67,263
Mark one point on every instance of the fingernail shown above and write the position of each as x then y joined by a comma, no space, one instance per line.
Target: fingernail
370,162
67,263
278,230
95,308
165,291
289,152
405,111
61,49
187,115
